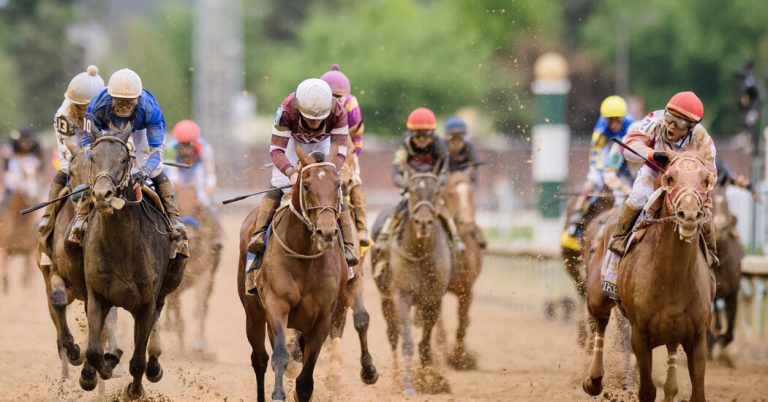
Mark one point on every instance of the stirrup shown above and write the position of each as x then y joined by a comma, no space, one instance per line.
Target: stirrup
618,245
256,245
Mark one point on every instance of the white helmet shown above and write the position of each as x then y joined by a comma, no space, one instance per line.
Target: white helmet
124,84
84,86
315,98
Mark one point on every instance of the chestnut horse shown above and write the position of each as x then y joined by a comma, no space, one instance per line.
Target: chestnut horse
459,200
664,280
301,277
203,228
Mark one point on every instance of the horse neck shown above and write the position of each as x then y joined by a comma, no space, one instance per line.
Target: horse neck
675,258
294,232
114,229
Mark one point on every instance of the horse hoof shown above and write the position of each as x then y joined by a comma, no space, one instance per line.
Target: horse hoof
132,393
428,380
409,392
592,387
462,361
111,360
369,376
73,355
154,370
88,380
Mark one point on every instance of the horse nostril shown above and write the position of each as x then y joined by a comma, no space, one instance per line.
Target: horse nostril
699,215
108,194
680,215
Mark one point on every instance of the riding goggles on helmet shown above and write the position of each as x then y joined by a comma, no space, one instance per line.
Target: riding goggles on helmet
423,133
676,121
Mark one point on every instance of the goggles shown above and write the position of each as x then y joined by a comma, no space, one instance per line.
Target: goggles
676,121
423,133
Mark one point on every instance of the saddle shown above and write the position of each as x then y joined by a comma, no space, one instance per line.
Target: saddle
153,198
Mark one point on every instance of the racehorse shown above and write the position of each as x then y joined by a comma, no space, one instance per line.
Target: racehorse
352,295
301,277
17,232
203,228
664,279
129,261
728,273
459,200
417,275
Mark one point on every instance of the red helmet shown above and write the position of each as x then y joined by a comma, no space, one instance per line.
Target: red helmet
186,131
422,119
686,104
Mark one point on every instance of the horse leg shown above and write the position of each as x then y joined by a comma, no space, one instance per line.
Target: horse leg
5,264
338,322
461,359
255,329
429,377
731,307
154,371
144,319
361,319
114,353
404,303
29,262
670,385
59,300
96,312
389,310
697,360
644,357
313,342
55,318
593,384
278,317
203,291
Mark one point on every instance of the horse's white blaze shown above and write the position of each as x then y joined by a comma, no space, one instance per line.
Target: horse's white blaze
422,184
320,175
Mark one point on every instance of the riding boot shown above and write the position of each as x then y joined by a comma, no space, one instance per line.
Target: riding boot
627,217
453,231
357,201
710,239
570,237
58,184
78,227
267,209
167,197
349,236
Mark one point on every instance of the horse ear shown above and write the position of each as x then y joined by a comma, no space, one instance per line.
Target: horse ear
331,157
709,181
668,182
302,155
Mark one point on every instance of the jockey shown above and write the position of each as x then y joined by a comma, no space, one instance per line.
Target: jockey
22,151
726,178
68,124
191,148
340,88
313,120
125,105
613,123
420,149
462,157
660,135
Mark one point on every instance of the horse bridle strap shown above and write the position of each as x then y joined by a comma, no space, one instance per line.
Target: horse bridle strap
289,252
422,203
303,212
123,182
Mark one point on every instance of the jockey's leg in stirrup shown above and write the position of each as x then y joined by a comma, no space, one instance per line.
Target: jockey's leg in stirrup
445,216
357,202
391,224
267,208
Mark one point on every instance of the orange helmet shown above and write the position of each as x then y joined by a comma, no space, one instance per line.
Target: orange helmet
422,119
687,105
186,131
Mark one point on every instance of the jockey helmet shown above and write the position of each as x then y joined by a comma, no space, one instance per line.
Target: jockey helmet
421,119
186,131
613,106
455,126
337,80
686,105
314,98
124,83
84,86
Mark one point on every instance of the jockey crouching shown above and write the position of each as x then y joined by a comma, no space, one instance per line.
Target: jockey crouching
660,136
312,119
420,150
340,88
613,123
125,105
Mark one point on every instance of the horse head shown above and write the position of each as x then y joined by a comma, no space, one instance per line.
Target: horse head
457,194
109,174
423,193
687,183
317,195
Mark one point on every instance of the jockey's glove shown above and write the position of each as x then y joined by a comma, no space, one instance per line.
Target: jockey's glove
139,175
661,157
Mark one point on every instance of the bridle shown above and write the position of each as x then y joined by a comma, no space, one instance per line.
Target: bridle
121,183
303,212
422,203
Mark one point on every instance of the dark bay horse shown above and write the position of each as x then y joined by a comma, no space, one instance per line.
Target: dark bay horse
17,232
128,262
352,295
300,280
459,200
665,283
417,275
203,228
728,273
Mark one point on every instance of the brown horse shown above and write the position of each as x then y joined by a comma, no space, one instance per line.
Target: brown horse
664,281
352,295
728,273
203,228
573,259
417,275
301,278
128,261
459,200
17,232
598,305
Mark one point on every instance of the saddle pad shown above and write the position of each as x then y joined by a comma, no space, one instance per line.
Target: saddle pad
152,196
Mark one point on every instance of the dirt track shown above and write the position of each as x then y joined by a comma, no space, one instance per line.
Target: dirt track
521,356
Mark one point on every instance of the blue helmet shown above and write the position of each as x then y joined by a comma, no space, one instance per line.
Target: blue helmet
455,125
